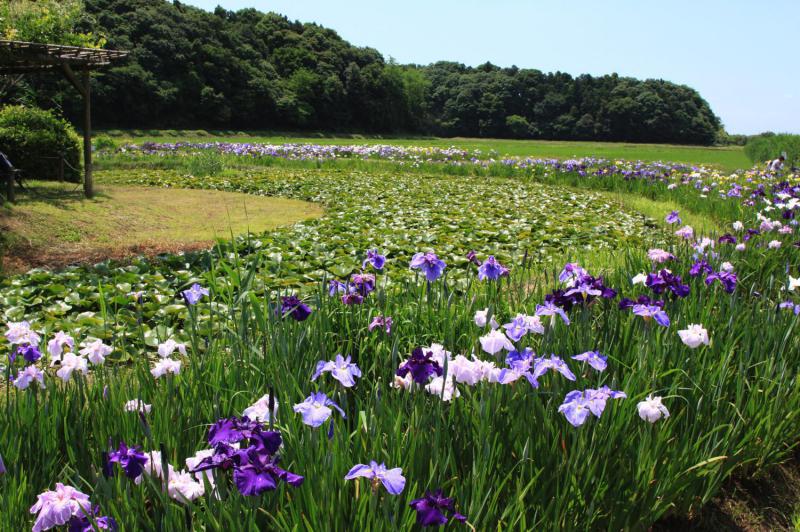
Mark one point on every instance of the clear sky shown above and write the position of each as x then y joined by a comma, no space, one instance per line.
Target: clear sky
742,55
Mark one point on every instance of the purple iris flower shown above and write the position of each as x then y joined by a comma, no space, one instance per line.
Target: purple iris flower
29,352
516,329
294,306
543,365
519,365
130,459
491,269
550,309
726,279
665,280
352,298
673,218
473,258
578,404
364,283
594,359
316,410
421,366
340,369
384,322
375,259
336,287
392,479
430,264
194,294
80,522
727,238
232,430
699,267
432,507
259,472
652,312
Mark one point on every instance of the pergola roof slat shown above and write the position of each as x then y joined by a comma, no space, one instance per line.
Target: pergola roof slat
22,57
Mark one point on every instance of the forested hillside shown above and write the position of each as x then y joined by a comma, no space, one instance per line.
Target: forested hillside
251,70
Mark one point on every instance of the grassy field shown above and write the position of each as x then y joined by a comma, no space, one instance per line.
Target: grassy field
55,225
727,158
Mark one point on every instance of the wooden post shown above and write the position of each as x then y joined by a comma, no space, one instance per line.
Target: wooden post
88,186
10,187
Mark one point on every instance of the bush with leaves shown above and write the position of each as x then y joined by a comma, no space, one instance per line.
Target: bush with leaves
36,140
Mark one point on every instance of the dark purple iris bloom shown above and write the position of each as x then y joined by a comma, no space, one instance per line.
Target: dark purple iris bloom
232,430
260,472
491,269
432,507
727,238
473,258
375,259
665,280
421,366
699,267
673,218
727,279
29,352
130,459
788,214
430,264
80,522
295,307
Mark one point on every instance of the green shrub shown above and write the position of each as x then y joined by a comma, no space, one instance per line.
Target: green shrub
769,145
206,164
104,142
35,140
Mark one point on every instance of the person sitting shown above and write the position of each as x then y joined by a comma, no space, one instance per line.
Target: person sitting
776,165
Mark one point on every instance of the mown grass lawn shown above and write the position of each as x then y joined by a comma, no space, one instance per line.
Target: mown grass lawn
55,225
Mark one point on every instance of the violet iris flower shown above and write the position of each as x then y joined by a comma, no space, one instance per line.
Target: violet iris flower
80,522
30,353
652,312
294,306
430,264
340,369
473,258
578,404
594,359
491,269
421,366
315,409
550,309
431,508
375,259
259,472
543,365
699,267
381,322
336,287
519,365
665,280
254,462
364,283
392,479
194,294
131,459
673,218
726,279
727,238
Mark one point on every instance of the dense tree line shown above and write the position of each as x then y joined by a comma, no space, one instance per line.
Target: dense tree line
254,70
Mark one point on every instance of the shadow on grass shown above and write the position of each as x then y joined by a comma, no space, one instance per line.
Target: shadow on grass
57,194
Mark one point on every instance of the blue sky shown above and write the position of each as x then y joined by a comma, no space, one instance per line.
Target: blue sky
741,55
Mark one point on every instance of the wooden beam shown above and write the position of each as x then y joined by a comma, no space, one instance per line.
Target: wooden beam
81,86
88,185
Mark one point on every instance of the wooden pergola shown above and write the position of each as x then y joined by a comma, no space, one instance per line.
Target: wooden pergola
18,57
